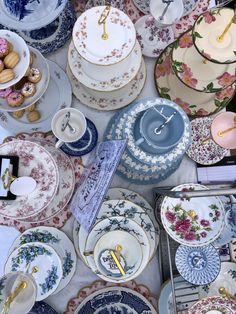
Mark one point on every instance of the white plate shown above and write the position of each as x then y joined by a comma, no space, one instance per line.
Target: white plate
57,96
39,62
30,14
59,241
22,49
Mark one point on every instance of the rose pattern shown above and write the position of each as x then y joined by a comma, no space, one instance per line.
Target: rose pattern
186,41
221,304
226,79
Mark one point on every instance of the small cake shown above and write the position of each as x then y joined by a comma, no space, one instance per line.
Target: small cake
10,46
15,99
18,114
4,47
1,66
28,90
33,116
11,60
30,108
6,76
35,75
5,92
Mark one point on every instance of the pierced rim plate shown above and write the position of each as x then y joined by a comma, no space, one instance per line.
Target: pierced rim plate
214,305
59,89
194,222
87,36
195,71
194,103
59,241
34,161
31,14
206,30
44,257
204,153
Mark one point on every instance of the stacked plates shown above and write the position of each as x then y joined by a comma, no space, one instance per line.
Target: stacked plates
123,226
48,255
142,163
103,72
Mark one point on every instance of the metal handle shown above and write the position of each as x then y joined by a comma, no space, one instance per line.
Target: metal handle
102,20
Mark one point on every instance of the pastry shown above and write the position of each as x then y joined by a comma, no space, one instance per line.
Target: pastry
4,47
15,99
34,76
10,47
18,114
30,108
6,75
1,66
11,60
28,90
33,116
5,92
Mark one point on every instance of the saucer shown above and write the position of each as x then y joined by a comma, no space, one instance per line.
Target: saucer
152,38
42,307
199,265
143,6
189,6
214,305
85,144
119,4
132,11
195,71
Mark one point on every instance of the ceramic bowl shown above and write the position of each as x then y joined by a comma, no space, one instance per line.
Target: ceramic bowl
22,49
221,123
25,299
173,14
169,136
130,255
40,63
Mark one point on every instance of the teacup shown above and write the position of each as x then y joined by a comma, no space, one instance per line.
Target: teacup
157,132
69,126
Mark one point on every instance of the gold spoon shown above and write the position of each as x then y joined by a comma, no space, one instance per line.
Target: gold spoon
221,37
12,296
221,133
118,249
223,291
102,20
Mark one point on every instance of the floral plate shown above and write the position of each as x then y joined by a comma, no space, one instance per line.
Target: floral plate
213,305
132,11
189,6
44,257
198,265
108,82
193,222
229,231
119,4
194,103
59,89
115,300
208,27
143,5
98,285
112,100
42,308
195,71
152,38
204,153
59,241
36,162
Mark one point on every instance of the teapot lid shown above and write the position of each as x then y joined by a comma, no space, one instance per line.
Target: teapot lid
104,35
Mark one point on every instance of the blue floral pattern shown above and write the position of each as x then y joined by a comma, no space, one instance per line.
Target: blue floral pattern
37,236
67,264
2,286
50,281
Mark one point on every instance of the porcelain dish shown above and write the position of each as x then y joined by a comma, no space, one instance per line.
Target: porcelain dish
132,11
42,307
143,6
213,305
119,4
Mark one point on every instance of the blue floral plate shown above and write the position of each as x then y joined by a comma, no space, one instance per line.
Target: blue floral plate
198,265
42,308
85,144
115,300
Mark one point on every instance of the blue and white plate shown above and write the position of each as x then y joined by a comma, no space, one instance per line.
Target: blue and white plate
30,14
85,144
42,308
54,35
115,300
49,267
198,265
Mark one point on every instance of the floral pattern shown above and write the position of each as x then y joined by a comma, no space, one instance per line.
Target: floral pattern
50,281
2,286
132,11
37,236
143,5
68,263
218,303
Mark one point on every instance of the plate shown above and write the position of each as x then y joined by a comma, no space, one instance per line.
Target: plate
194,103
87,36
42,307
112,100
117,299
208,27
59,89
193,222
204,153
111,78
22,49
214,305
132,11
195,71
118,4
229,231
143,6
189,6
28,14
152,38
35,161
39,62
59,241
198,265
42,256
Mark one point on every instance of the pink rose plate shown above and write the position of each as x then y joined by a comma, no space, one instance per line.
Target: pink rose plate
194,222
214,305
36,162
